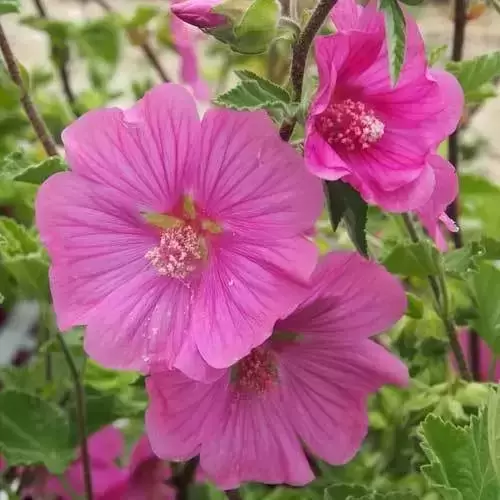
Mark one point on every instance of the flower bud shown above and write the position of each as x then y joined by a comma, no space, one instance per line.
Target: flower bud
248,26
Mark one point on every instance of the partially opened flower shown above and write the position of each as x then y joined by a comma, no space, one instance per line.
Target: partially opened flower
172,238
146,477
185,39
105,447
199,13
368,133
306,386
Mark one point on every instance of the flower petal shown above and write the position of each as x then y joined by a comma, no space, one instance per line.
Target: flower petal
106,445
352,297
325,387
182,413
96,239
255,442
345,14
251,180
245,289
142,325
146,153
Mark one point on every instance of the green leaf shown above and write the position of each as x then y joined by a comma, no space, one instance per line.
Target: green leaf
491,248
17,167
435,54
142,15
395,27
250,95
103,379
486,285
413,259
358,492
345,203
493,415
460,261
33,431
9,6
459,458
474,73
258,26
415,307
275,90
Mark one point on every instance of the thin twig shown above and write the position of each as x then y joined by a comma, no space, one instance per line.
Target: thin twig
145,46
81,416
440,293
299,58
34,117
60,56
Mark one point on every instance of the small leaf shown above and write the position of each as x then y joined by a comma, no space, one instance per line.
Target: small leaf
435,54
39,172
474,73
9,6
33,431
459,458
493,415
141,17
460,261
413,259
415,307
266,85
395,27
250,95
345,203
104,379
486,285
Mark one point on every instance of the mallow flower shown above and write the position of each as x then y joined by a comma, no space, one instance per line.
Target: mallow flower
177,242
306,386
362,130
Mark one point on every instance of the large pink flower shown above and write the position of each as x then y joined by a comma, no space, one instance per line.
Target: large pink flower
366,132
172,238
105,446
307,385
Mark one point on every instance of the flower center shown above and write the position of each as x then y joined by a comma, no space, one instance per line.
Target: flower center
178,252
257,372
350,124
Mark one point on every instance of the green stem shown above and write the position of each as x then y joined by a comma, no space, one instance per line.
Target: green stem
81,416
440,293
299,58
43,338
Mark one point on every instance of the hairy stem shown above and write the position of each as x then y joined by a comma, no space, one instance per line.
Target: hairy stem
440,293
60,62
81,416
145,46
32,113
299,58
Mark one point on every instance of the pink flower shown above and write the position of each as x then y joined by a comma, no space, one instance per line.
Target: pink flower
307,385
146,477
172,238
432,213
485,356
368,133
199,13
105,446
184,37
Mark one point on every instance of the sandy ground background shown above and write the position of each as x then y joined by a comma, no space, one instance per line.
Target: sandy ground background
482,35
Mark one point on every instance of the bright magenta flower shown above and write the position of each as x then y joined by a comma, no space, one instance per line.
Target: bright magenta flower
172,238
366,132
307,385
199,13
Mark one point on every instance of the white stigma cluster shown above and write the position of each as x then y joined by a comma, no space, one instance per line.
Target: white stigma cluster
350,124
178,252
